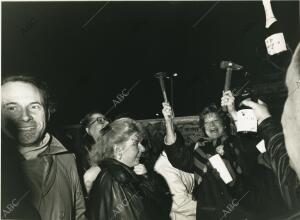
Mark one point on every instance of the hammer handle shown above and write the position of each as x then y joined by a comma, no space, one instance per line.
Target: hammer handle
163,88
228,79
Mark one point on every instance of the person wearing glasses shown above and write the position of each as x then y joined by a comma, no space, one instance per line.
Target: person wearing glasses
91,126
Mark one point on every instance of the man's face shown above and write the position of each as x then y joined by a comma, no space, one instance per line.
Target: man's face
23,113
213,126
291,114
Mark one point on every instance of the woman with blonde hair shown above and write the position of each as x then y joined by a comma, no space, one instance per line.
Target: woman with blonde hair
123,189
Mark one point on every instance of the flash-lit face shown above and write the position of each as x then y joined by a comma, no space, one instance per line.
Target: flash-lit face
23,113
213,125
291,114
98,122
132,150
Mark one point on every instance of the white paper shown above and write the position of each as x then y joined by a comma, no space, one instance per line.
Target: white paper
217,163
246,121
275,43
261,146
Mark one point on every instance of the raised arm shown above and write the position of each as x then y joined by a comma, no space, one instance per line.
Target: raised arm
276,149
180,156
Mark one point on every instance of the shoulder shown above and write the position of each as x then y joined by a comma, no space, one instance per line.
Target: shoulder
118,171
103,184
67,160
162,162
61,153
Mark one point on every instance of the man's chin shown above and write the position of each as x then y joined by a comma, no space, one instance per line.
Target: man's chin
215,136
26,141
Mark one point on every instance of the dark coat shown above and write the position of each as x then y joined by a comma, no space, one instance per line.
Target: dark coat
118,193
15,192
213,195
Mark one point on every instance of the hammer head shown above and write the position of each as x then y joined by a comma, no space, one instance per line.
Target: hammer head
160,75
230,65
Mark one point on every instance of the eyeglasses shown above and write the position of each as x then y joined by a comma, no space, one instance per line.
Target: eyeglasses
99,120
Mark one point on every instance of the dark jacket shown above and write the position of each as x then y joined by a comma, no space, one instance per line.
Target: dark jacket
15,192
279,161
255,180
118,193
212,194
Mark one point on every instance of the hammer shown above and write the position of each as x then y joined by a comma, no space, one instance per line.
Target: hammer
161,76
229,66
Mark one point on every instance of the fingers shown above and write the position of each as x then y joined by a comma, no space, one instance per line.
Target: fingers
140,169
227,96
261,102
167,110
227,101
249,103
166,104
227,93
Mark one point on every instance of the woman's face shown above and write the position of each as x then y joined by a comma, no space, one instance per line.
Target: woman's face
213,126
131,152
98,122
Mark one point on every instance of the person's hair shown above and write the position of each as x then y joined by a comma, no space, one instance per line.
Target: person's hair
87,119
48,103
113,134
213,108
87,140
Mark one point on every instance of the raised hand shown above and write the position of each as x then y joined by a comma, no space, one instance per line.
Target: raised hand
260,109
140,169
227,101
167,111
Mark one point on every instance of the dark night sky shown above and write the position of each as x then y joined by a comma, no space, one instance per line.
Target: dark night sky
127,42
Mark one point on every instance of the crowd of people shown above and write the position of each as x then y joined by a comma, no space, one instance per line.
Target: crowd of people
109,178
124,172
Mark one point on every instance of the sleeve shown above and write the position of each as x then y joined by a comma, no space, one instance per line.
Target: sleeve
274,141
182,199
179,155
279,160
79,199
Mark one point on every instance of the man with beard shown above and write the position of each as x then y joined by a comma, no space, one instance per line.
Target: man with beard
33,159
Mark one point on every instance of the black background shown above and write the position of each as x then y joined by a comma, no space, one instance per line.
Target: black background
88,64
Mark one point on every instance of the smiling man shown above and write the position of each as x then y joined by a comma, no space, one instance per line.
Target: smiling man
49,170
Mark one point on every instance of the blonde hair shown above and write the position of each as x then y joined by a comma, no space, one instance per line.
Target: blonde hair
114,134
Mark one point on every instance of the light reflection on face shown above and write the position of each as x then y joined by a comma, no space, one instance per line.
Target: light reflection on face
132,150
291,114
96,126
213,126
23,113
